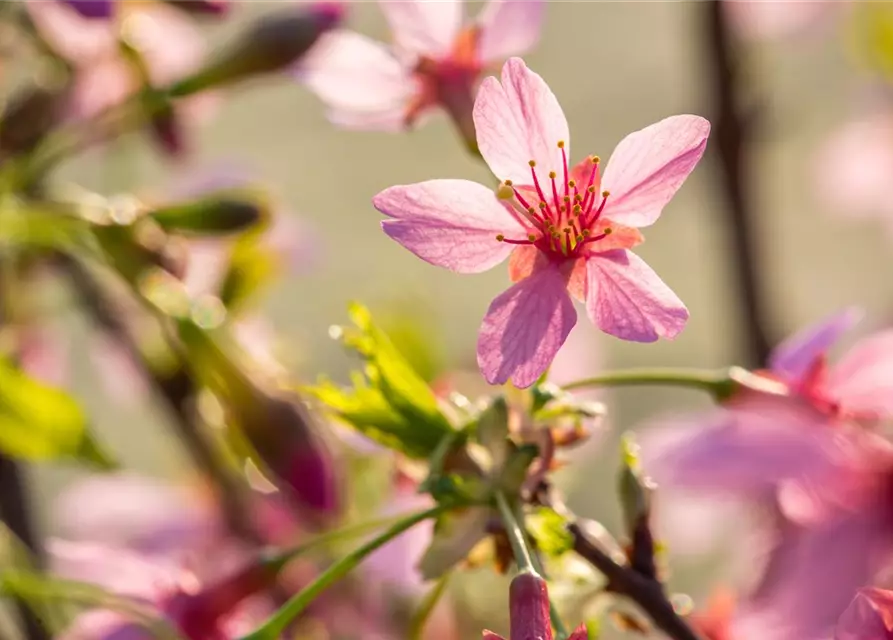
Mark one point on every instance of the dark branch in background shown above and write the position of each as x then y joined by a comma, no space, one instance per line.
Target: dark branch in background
178,392
625,580
731,134
15,513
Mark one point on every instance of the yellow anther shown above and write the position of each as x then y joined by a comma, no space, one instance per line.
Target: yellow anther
577,209
552,175
572,183
566,199
532,163
531,210
591,189
605,194
500,237
579,239
567,229
595,159
586,232
561,144
531,237
508,183
543,205
505,192
607,231
578,198
557,236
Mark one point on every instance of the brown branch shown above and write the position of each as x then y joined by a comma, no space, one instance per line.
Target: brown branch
16,514
731,134
623,579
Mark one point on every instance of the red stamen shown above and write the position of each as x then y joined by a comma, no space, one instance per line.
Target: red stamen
510,241
564,162
539,190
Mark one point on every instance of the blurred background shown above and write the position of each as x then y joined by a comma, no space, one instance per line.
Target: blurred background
615,67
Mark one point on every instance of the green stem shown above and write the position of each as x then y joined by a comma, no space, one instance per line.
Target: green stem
276,625
705,380
516,537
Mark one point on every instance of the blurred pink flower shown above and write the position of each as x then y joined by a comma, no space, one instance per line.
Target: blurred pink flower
779,19
869,616
92,9
169,44
861,152
800,448
556,248
157,543
435,61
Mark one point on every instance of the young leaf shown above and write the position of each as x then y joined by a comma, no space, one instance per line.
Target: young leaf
38,422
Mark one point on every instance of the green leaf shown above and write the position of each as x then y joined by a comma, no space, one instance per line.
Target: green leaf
549,530
38,422
389,402
223,212
251,268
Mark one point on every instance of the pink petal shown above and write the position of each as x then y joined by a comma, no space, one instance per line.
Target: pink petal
449,223
509,28
626,299
648,167
518,121
121,377
580,633
869,616
360,81
76,38
43,354
813,573
777,19
100,86
860,157
863,380
793,357
169,42
524,328
489,635
746,451
424,27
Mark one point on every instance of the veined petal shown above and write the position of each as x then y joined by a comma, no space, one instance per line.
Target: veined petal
648,167
524,328
863,379
793,357
626,299
519,120
509,28
449,223
745,451
357,78
424,27
869,616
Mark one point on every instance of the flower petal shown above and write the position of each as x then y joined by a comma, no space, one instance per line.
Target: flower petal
424,27
509,28
863,380
74,37
793,357
524,328
449,223
869,616
626,299
580,633
745,451
518,121
363,85
648,167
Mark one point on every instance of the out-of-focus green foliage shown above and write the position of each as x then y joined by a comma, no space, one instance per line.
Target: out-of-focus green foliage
549,531
221,212
38,422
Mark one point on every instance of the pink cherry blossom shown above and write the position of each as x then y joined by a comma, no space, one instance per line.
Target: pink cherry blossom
862,152
797,445
567,229
169,44
869,616
779,19
434,61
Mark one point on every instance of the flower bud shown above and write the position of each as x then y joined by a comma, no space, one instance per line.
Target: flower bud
273,43
167,131
202,7
529,608
92,9
224,212
28,117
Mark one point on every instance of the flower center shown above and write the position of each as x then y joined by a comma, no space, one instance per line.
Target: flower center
561,214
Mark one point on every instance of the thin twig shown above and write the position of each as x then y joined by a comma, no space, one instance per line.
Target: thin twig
732,130
623,579
16,514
